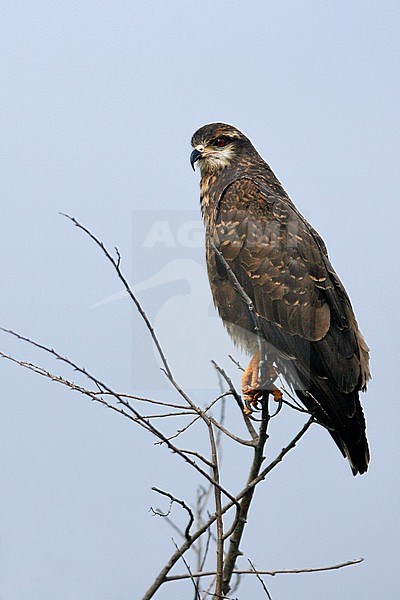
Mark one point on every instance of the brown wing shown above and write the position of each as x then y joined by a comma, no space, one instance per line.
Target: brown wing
282,264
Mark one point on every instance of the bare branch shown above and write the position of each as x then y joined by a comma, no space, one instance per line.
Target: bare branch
118,256
166,369
207,591
116,264
260,579
70,384
147,424
231,387
195,584
232,501
199,456
241,502
238,399
180,431
283,452
348,563
180,413
237,529
159,513
149,400
207,547
236,362
181,503
163,575
233,436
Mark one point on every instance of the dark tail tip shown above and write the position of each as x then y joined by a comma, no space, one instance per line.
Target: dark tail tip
358,456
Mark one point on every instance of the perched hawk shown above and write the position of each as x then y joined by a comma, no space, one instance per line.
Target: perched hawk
259,248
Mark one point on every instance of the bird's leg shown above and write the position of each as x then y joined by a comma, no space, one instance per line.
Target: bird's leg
251,385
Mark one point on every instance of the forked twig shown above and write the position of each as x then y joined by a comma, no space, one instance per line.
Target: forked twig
181,503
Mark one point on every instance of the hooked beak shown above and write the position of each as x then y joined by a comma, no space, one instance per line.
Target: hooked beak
196,154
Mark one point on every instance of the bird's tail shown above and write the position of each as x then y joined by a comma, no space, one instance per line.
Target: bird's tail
343,416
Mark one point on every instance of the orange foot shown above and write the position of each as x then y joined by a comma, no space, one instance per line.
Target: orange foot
277,394
251,391
251,385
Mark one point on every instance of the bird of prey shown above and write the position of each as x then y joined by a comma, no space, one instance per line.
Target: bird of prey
271,279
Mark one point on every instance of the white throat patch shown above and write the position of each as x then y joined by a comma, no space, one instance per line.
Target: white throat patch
215,160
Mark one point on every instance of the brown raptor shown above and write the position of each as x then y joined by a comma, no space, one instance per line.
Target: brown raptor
259,247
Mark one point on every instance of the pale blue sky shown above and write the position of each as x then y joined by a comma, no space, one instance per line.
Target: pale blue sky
99,101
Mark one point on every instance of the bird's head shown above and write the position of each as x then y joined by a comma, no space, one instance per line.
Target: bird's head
216,146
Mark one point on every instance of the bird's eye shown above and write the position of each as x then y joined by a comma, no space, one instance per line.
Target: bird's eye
220,142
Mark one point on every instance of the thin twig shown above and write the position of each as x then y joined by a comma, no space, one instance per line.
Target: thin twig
180,413
228,380
238,399
157,512
206,549
207,592
283,452
70,384
233,436
260,579
236,362
181,503
199,456
348,563
294,406
195,583
291,396
180,431
149,400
